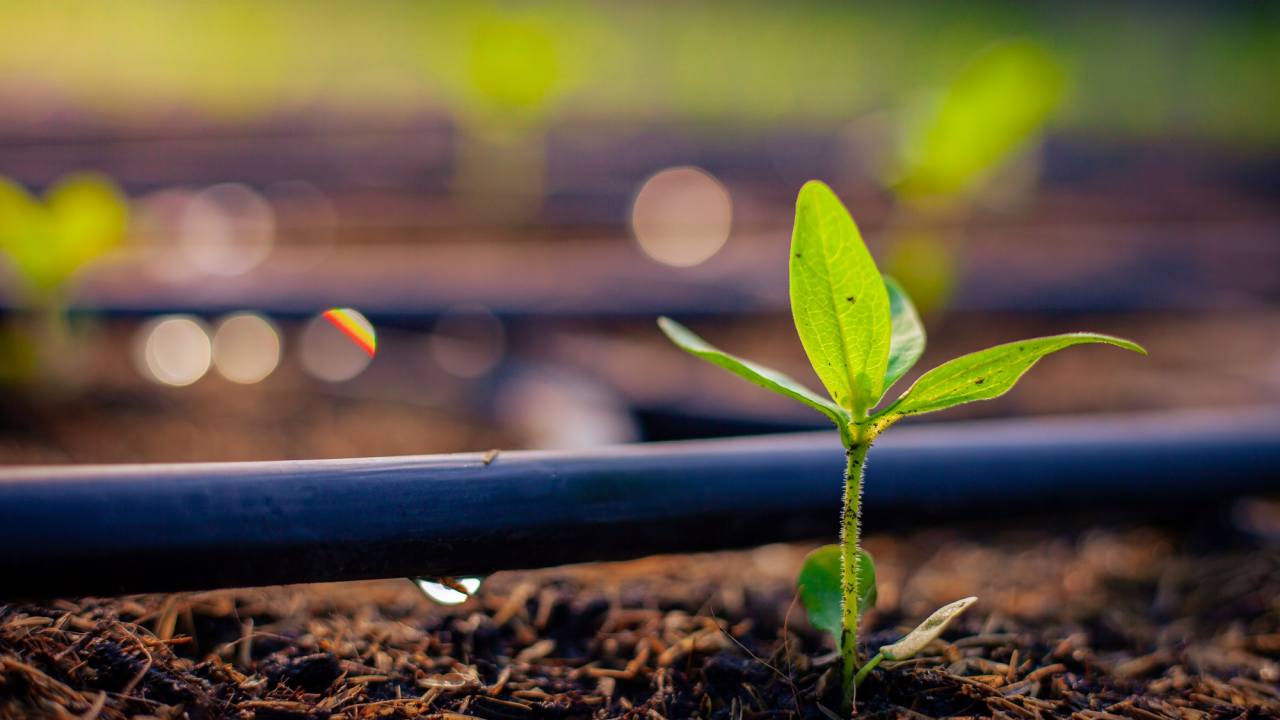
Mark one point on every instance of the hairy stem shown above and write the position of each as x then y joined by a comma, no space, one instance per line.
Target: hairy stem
857,454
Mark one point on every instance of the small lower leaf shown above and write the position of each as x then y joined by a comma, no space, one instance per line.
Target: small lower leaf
820,588
925,632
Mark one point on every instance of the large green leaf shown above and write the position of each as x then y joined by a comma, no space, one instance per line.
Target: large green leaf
907,342
986,374
758,374
820,588
838,300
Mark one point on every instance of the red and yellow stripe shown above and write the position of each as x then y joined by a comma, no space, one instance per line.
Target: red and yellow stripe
354,326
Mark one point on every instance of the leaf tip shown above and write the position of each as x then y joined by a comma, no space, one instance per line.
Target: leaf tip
812,191
675,332
1119,342
669,326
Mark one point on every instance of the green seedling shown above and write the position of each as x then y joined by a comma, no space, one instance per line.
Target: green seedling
989,115
993,107
48,241
79,219
862,334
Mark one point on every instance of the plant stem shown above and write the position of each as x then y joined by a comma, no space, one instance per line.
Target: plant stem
857,454
866,669
51,330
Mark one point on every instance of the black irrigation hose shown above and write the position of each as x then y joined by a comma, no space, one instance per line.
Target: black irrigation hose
67,531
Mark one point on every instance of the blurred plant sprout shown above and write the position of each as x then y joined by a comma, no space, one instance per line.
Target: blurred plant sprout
79,219
988,114
513,63
515,72
991,109
862,334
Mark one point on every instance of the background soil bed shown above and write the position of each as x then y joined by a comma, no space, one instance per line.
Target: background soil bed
1093,625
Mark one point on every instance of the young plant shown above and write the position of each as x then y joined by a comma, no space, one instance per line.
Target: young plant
950,155
861,333
48,241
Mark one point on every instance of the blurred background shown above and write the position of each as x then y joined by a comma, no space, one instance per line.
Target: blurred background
275,230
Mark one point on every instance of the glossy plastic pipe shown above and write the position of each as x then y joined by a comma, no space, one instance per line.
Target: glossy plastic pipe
104,530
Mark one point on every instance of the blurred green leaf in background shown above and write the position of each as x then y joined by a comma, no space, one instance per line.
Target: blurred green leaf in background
80,218
994,106
990,114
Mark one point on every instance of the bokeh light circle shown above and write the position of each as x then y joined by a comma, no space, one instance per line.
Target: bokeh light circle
173,350
337,345
227,229
558,409
246,348
682,216
306,226
155,228
467,341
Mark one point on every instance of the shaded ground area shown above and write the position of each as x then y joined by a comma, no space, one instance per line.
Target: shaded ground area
1105,624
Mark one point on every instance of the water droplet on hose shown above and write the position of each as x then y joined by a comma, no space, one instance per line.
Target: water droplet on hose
447,595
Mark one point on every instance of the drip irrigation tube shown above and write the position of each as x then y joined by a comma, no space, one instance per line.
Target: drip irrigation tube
77,530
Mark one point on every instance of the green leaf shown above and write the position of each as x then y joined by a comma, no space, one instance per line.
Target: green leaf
819,583
925,632
758,374
820,588
998,100
985,374
82,217
90,214
907,341
838,300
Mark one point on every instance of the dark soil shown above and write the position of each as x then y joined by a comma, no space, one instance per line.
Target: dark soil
1095,626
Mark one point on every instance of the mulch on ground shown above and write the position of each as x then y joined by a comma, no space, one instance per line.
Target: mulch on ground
1096,626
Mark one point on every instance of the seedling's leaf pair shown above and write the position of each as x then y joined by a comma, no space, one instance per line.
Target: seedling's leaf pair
862,334
821,591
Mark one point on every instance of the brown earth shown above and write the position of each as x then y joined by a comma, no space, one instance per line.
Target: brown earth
1093,626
